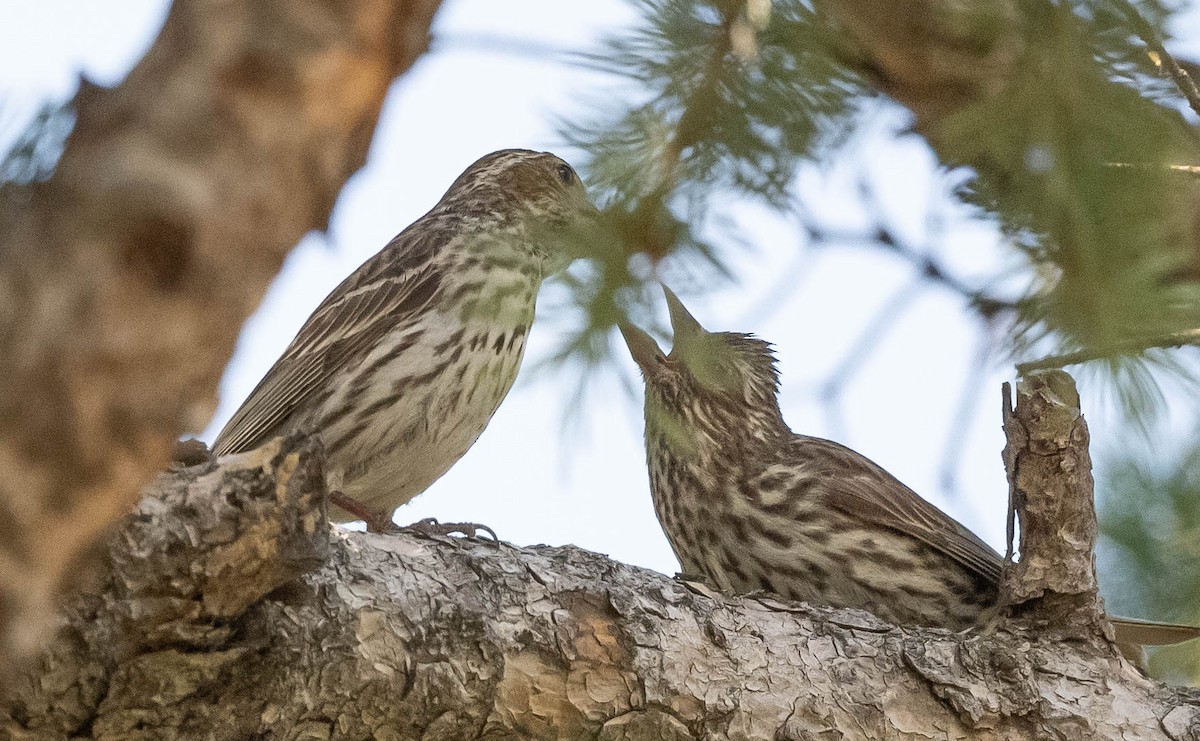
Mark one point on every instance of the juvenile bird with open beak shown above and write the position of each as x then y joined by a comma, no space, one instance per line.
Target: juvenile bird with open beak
751,506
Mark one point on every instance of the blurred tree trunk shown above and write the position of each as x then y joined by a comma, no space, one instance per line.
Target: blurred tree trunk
229,609
125,278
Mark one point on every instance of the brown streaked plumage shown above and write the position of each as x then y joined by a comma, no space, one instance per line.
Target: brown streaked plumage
750,505
401,367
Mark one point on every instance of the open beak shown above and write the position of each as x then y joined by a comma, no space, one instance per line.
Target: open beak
688,334
642,347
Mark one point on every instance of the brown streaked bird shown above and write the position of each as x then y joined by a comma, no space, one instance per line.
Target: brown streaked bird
401,367
751,506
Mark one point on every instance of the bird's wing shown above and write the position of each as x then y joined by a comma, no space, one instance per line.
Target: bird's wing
381,295
863,490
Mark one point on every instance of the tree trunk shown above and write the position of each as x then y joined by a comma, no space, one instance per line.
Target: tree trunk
229,609
125,278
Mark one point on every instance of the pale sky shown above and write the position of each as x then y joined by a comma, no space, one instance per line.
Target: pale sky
527,478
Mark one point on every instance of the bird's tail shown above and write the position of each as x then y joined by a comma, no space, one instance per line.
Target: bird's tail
1149,633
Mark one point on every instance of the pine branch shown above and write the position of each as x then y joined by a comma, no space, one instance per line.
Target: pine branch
1132,346
1026,95
1162,58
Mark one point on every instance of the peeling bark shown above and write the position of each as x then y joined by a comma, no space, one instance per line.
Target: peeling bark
228,609
125,278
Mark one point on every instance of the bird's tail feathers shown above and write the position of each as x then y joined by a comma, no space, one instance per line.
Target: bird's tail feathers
1149,633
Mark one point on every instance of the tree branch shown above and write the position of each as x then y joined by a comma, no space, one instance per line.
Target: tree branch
126,277
1132,346
227,609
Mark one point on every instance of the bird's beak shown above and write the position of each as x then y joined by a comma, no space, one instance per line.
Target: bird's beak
642,347
685,327
694,346
574,238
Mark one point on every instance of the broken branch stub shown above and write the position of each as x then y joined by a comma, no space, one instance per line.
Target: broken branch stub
1049,470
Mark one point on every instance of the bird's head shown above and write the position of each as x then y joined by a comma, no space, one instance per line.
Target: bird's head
720,386
536,192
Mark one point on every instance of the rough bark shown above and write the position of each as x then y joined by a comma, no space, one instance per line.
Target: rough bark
1050,475
125,278
229,610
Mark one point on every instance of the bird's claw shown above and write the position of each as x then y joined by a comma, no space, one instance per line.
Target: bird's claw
431,526
381,522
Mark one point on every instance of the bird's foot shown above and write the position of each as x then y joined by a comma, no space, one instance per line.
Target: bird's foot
381,522
376,521
430,526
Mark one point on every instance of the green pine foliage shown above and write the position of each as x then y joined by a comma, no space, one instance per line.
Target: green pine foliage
1074,159
1071,156
732,100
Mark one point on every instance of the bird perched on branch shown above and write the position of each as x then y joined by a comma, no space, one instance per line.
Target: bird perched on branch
401,367
751,506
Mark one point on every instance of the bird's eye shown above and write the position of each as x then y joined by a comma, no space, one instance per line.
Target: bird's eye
566,174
